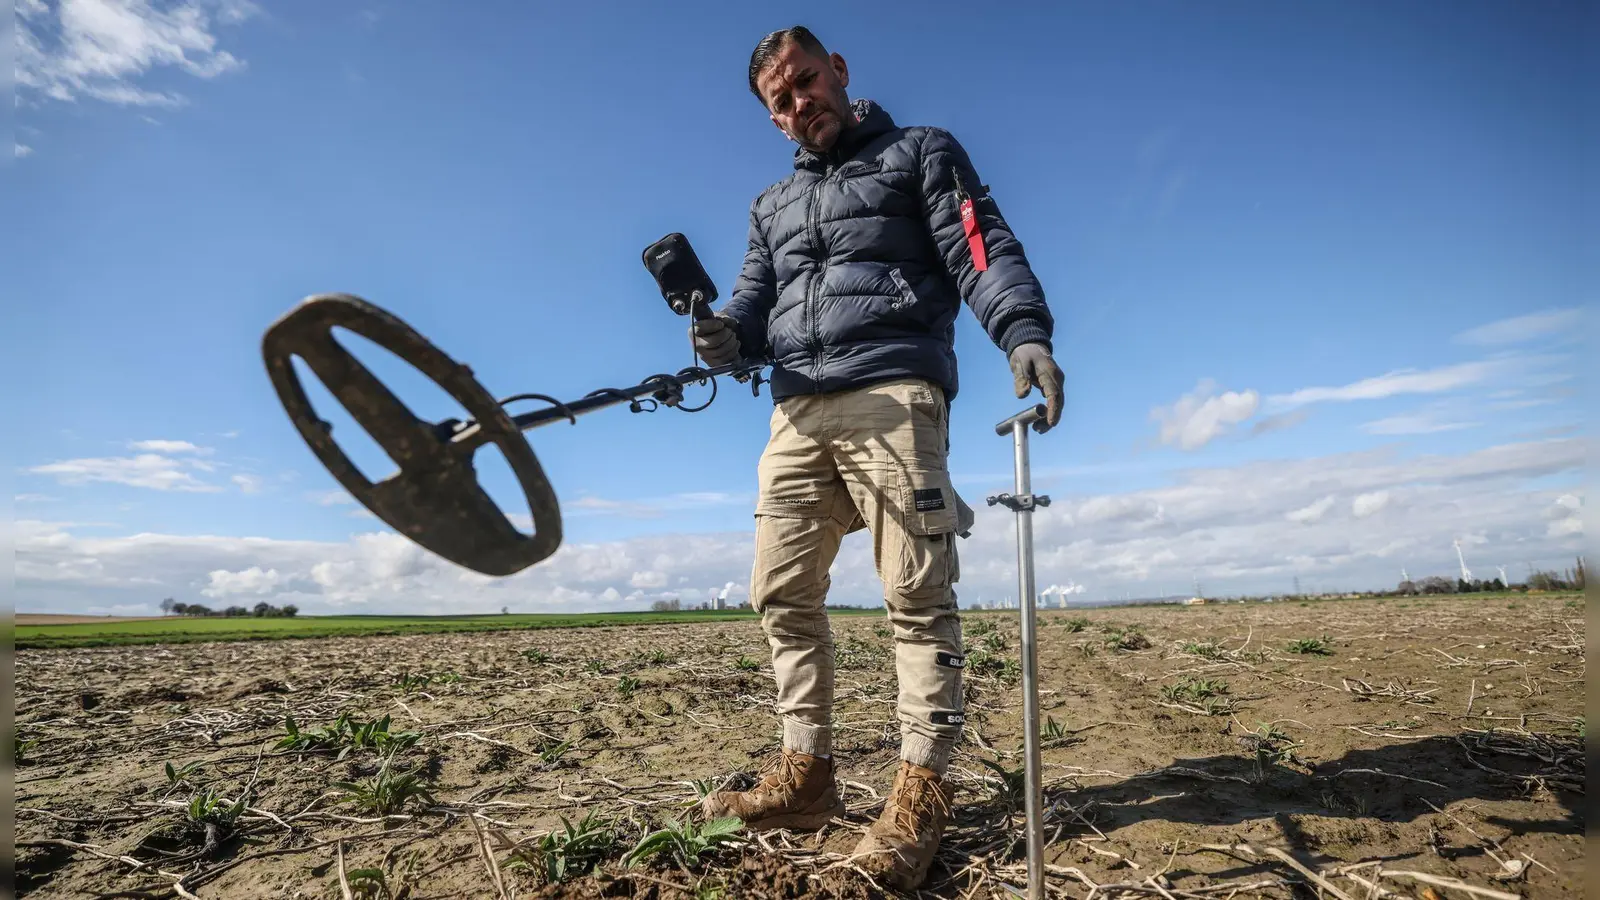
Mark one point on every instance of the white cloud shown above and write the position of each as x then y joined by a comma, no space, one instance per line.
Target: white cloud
20,150
1369,504
651,579
1116,508
122,609
249,484
601,505
163,446
1571,502
100,49
254,581
1225,525
1311,513
1279,422
1525,403
147,470
652,507
335,497
1520,329
705,498
1569,525
1404,381
1202,415
1457,413
1565,515
1414,423
32,498
58,565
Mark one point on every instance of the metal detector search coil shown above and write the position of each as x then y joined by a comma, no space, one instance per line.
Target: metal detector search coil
435,498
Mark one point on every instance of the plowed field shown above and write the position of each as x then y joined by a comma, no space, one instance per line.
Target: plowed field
1394,748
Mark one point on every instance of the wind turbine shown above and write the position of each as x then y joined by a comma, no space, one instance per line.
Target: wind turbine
1504,581
1466,573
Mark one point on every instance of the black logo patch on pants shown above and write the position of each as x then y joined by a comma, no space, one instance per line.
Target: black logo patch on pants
950,660
928,499
948,718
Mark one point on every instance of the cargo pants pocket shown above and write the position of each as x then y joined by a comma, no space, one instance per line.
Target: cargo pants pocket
929,520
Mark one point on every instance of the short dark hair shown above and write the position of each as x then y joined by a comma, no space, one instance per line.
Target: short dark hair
773,44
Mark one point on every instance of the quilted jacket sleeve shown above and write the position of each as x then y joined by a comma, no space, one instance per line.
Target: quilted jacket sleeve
1007,298
755,292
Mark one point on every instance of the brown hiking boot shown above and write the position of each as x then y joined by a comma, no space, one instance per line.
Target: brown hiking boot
898,849
796,791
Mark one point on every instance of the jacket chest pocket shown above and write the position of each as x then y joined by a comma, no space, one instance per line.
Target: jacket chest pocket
904,296
858,186
858,169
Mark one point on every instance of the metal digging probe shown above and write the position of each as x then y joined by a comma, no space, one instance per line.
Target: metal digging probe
1022,503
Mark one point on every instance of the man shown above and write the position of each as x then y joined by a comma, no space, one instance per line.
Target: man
857,267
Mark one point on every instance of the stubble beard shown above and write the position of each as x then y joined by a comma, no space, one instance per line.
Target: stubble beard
832,127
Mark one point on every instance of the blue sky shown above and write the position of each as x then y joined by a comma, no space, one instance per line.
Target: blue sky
1317,271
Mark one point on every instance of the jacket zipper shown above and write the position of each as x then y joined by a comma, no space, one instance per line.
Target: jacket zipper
816,281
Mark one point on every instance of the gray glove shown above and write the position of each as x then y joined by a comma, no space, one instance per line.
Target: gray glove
1032,366
716,340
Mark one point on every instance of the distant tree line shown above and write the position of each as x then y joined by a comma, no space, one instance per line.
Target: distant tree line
1438,584
261,610
1572,579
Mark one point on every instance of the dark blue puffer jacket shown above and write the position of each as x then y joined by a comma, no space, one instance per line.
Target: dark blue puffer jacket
858,264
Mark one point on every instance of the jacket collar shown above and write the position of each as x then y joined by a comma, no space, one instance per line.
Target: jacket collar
871,121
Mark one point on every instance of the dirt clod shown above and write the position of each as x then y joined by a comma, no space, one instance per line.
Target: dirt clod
256,686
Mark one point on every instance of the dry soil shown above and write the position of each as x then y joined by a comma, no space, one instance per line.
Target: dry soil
1189,752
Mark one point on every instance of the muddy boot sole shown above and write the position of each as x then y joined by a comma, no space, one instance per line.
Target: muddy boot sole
886,863
804,820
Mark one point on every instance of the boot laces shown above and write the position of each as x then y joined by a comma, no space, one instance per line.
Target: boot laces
780,772
916,802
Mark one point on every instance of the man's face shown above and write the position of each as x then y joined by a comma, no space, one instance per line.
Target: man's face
805,96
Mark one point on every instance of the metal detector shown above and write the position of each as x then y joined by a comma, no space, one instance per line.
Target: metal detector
435,498
1023,503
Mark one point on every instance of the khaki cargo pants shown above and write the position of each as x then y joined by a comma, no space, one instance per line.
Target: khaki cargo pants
873,457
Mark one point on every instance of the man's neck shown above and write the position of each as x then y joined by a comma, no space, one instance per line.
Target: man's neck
847,128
